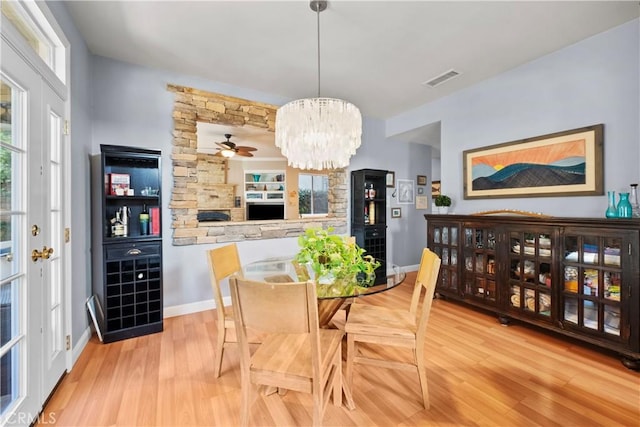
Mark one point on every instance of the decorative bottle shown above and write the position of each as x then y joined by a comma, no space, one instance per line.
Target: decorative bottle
372,213
612,210
633,198
144,220
624,206
366,215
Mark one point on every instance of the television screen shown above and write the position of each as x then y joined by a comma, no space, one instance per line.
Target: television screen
258,211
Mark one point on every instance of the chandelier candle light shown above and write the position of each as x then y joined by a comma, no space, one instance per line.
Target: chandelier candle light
318,133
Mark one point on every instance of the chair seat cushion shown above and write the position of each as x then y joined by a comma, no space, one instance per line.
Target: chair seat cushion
373,320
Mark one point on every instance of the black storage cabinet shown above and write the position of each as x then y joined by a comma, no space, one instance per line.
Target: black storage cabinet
127,270
370,235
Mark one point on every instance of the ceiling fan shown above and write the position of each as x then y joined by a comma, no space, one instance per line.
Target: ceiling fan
229,149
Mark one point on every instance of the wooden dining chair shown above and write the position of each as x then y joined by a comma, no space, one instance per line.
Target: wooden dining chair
223,262
396,327
295,354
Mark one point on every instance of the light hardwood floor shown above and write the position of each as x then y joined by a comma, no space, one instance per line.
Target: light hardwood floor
480,374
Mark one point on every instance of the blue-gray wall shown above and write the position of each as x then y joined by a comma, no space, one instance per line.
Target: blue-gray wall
593,81
133,107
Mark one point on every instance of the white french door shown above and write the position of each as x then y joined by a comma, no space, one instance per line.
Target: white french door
32,352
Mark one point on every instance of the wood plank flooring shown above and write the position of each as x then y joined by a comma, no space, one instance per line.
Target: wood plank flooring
480,373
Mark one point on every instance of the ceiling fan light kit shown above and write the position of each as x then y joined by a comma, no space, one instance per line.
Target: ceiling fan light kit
318,133
228,149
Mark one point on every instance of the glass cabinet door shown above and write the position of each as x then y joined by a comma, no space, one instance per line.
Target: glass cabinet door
445,245
479,249
530,278
593,282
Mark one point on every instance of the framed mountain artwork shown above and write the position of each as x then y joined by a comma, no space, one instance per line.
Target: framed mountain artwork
568,163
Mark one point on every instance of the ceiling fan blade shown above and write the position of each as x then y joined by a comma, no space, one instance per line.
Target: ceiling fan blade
245,148
225,145
244,154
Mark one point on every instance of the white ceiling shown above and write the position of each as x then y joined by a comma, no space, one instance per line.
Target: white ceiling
375,54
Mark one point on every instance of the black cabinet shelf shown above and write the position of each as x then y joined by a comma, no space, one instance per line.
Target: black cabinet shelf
127,269
369,215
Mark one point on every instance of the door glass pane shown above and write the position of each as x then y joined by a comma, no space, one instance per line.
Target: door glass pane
612,285
12,229
9,330
590,314
612,320
55,240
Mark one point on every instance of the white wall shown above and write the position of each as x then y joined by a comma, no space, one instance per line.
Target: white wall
593,81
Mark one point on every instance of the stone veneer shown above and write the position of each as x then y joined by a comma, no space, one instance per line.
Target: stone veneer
192,106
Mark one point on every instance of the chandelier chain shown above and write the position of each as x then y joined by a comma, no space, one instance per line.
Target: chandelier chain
318,24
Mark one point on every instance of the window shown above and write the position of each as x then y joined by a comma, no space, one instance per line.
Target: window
32,25
313,193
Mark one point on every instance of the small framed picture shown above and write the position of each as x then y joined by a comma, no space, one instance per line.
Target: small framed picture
391,179
422,202
420,190
396,212
421,180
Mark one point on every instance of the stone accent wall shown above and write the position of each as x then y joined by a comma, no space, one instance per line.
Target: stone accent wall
196,186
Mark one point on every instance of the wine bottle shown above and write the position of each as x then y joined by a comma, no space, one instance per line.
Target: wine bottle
144,220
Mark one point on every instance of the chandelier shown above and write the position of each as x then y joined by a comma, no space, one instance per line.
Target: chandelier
318,133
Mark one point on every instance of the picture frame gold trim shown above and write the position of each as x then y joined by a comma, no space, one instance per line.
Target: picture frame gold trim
567,163
421,180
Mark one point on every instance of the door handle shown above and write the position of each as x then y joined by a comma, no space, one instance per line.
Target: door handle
44,254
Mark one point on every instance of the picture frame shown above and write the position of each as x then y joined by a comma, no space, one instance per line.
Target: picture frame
396,212
420,190
97,315
567,163
422,202
435,188
391,179
421,180
406,191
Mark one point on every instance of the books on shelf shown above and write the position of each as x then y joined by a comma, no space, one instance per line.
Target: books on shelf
155,221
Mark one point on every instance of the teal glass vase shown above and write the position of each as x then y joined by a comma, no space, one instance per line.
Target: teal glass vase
624,206
612,210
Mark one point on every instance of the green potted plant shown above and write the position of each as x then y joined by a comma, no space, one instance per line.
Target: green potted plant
443,202
339,266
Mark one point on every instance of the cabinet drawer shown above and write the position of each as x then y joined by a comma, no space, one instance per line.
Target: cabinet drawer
374,233
132,250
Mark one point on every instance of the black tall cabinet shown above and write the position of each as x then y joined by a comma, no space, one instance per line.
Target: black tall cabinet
369,215
127,259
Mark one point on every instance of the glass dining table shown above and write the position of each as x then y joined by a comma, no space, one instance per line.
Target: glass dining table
284,269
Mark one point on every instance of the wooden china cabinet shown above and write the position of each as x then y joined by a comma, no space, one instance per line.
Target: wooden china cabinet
574,276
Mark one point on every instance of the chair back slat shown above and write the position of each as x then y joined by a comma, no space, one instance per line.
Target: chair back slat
261,305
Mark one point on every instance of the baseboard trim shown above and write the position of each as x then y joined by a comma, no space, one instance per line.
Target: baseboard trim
194,307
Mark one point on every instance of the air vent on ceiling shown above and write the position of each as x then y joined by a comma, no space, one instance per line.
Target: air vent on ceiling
441,78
